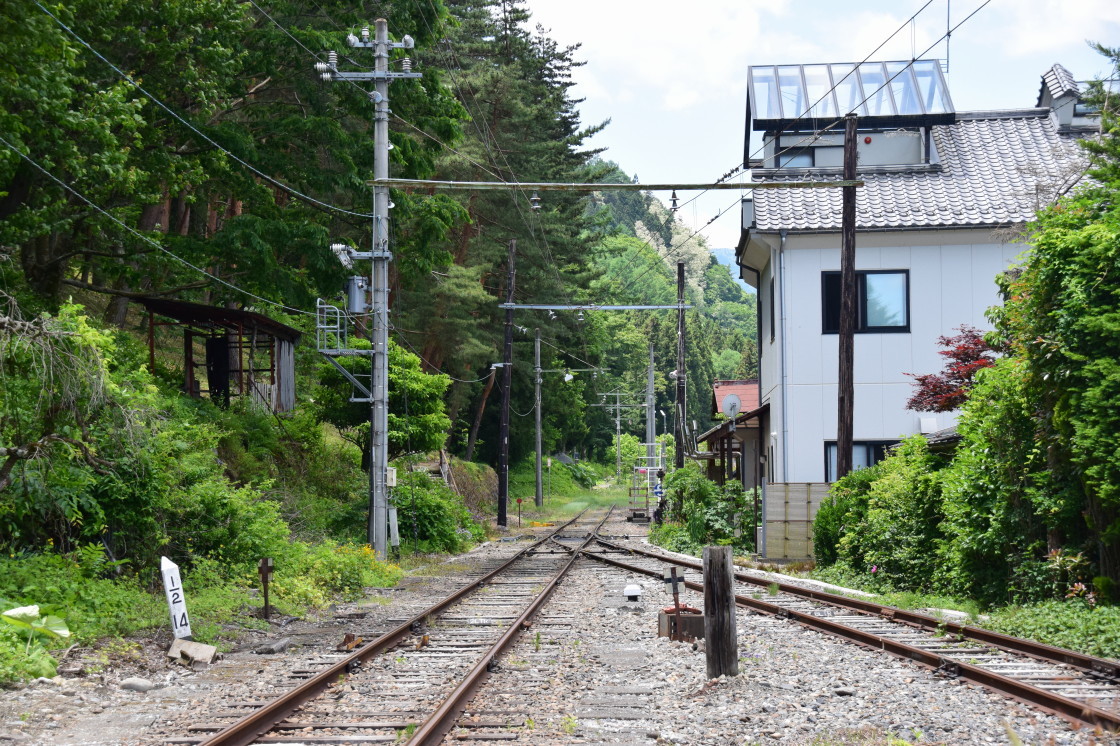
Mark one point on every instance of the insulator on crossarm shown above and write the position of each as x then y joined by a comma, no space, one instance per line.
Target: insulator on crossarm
332,59
406,65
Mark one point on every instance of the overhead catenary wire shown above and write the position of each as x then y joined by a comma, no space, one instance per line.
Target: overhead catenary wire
270,179
147,239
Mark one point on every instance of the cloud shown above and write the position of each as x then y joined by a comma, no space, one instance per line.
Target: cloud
1029,27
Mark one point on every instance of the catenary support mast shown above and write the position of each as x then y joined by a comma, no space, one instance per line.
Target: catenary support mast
507,383
379,256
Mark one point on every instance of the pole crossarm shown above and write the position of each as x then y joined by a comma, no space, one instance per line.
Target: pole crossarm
592,307
568,370
624,187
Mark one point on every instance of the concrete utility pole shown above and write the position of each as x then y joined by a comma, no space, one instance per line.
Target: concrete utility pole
651,415
507,384
846,389
618,406
380,256
682,401
538,497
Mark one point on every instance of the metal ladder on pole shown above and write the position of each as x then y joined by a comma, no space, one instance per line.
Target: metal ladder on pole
643,483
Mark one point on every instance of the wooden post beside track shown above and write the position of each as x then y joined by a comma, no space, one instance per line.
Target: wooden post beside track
719,613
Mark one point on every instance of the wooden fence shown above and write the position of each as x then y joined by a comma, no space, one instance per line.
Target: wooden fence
789,512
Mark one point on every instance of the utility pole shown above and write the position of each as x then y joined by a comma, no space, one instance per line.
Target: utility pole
538,498
380,256
846,389
682,403
618,406
651,417
507,384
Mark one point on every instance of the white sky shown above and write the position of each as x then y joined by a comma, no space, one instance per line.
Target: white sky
671,76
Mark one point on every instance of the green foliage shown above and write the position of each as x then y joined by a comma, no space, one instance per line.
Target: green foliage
34,624
843,510
18,661
900,532
708,512
1094,631
674,537
417,420
432,518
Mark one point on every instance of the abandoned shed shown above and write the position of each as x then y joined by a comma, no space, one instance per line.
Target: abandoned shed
229,353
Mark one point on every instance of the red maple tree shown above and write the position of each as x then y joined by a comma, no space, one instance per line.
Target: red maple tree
967,353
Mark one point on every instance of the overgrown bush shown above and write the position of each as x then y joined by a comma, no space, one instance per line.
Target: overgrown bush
844,508
709,513
430,517
1066,624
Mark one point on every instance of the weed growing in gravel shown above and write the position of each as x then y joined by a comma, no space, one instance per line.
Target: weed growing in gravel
537,642
865,736
772,589
405,733
530,724
568,724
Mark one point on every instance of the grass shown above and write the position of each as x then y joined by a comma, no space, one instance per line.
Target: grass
1070,624
866,736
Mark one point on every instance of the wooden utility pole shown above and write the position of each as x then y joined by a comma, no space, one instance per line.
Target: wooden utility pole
720,647
507,384
682,408
538,495
846,390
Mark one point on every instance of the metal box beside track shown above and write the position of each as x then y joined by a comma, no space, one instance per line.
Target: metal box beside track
692,625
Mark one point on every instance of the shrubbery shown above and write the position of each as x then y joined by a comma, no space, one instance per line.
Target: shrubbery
430,517
703,513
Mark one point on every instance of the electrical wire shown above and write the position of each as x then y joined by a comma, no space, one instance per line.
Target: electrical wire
430,365
146,239
275,182
742,166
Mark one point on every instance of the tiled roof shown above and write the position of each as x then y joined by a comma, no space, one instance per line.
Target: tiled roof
995,168
747,391
1058,81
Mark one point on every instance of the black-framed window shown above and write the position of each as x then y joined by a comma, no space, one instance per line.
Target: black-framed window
882,301
865,453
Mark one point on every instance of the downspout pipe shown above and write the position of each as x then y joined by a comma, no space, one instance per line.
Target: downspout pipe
783,234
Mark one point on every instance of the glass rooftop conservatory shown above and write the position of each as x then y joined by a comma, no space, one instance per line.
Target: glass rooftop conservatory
795,97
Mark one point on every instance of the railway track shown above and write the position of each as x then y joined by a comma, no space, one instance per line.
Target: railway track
411,682
1080,688
423,680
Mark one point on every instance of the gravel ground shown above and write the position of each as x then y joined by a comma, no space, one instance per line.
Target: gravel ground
591,671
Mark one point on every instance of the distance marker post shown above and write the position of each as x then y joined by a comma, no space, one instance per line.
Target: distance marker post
176,599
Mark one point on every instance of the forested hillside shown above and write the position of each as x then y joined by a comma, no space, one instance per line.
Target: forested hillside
189,151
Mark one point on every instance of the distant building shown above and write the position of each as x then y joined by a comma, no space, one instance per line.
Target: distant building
942,191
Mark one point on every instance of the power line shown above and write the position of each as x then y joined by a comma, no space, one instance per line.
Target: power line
275,182
144,238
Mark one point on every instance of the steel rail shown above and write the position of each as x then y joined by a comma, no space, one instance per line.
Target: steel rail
1087,663
254,725
432,731
1072,710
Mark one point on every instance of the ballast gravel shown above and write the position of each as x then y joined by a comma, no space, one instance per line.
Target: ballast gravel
591,670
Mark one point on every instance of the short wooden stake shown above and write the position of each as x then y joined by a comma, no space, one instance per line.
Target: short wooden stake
720,646
264,569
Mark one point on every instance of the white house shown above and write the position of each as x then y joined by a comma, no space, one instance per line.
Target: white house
943,191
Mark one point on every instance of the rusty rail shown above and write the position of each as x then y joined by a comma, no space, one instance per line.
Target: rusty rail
1087,663
432,731
1054,703
254,725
